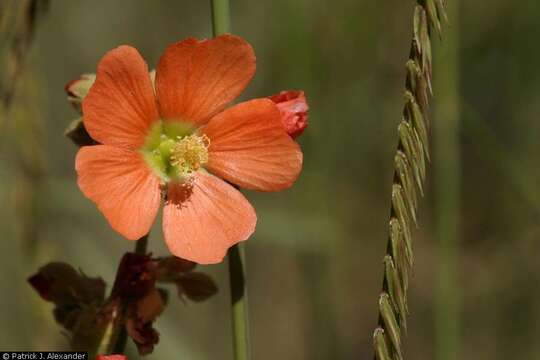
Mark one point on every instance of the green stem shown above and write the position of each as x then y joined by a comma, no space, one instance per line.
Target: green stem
447,191
221,18
240,323
221,24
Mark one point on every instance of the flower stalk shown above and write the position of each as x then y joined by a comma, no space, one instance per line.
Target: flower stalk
410,162
119,347
237,270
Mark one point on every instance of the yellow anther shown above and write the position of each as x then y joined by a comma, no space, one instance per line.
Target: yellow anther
190,153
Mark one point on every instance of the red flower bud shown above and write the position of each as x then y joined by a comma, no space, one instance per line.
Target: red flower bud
294,111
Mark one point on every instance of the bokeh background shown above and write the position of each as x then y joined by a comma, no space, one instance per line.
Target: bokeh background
315,261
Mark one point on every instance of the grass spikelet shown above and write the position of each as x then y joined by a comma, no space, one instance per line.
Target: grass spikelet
409,175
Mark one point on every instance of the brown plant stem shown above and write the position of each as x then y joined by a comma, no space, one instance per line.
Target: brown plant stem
119,347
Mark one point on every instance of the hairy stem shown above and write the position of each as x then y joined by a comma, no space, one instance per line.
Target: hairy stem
409,175
447,191
221,24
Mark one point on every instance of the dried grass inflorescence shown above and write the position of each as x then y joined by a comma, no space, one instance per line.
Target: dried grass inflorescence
409,176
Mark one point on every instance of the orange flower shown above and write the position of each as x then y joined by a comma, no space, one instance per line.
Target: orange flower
177,138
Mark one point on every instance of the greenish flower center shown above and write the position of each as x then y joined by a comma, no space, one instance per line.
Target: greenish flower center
174,150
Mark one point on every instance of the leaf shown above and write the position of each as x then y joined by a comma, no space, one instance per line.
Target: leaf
150,306
196,286
141,317
136,276
169,269
77,133
61,284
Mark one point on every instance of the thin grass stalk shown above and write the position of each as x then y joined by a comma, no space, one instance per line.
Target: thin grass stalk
221,24
447,168
410,162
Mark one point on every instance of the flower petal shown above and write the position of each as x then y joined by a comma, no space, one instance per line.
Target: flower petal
250,147
197,79
120,106
122,186
202,221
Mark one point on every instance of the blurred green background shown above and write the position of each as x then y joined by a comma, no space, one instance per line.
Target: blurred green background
314,263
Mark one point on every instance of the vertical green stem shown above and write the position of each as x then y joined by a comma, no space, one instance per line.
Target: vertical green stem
447,191
221,17
240,323
221,24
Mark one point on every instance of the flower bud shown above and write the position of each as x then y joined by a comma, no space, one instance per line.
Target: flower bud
294,111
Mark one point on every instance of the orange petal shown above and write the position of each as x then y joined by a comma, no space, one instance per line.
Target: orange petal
120,105
201,221
250,147
122,186
197,79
